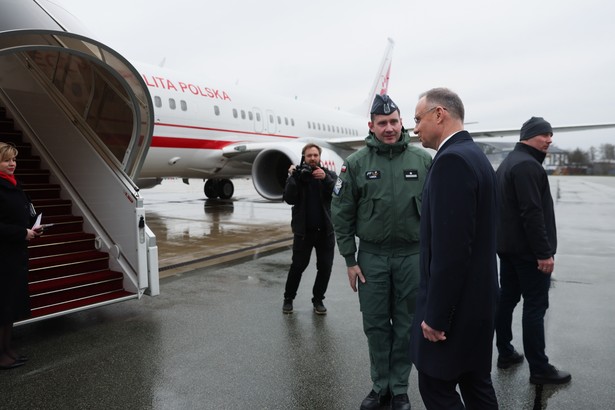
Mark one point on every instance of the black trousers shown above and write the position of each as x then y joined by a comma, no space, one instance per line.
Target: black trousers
520,277
475,387
302,250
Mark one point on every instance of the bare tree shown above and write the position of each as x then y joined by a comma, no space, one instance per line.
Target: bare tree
578,157
607,151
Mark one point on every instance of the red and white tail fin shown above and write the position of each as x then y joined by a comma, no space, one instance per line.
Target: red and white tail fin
381,82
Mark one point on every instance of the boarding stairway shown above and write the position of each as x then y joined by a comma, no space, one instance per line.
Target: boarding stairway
82,119
66,271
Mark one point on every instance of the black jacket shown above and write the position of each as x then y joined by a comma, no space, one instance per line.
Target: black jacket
14,220
526,224
296,192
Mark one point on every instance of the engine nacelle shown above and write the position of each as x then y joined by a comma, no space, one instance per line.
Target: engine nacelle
270,167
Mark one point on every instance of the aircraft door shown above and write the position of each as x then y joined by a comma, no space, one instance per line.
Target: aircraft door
258,119
270,121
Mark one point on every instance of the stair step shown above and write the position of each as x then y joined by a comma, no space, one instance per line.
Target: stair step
6,124
50,244
75,304
32,176
75,293
31,162
42,191
12,136
74,281
53,206
62,224
68,264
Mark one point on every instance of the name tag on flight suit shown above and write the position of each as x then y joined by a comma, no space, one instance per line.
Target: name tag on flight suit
411,174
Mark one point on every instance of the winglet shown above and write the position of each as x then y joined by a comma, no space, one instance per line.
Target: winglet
381,82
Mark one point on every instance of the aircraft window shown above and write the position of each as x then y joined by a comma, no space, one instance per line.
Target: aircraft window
243,115
279,120
258,116
285,121
309,126
183,105
250,116
157,101
318,126
329,128
271,118
216,110
172,103
234,112
292,122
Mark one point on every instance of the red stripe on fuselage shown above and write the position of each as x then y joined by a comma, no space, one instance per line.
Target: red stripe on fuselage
170,142
193,127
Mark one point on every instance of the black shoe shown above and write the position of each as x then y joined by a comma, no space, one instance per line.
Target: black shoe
319,308
400,402
371,402
504,362
550,376
287,307
13,365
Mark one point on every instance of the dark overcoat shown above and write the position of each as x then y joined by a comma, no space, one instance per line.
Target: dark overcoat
458,289
14,221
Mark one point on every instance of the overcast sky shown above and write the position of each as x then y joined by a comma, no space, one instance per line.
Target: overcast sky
507,60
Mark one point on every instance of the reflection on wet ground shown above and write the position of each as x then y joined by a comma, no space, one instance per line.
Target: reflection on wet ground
193,231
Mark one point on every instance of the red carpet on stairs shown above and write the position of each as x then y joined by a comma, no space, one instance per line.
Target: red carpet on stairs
66,270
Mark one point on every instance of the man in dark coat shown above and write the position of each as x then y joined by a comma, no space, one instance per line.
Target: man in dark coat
452,333
527,241
308,189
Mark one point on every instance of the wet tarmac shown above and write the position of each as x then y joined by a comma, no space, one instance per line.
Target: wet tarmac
194,232
215,338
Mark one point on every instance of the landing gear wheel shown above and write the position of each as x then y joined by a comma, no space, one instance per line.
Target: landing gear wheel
211,189
225,188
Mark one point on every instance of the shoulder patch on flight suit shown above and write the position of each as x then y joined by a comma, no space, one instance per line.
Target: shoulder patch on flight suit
372,175
411,174
338,186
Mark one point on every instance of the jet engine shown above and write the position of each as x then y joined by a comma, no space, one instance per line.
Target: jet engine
270,167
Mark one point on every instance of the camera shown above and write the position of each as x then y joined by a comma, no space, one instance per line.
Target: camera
303,172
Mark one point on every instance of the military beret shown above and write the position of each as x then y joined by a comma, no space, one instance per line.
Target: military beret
383,105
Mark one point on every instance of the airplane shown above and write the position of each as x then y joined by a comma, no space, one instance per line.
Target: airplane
203,130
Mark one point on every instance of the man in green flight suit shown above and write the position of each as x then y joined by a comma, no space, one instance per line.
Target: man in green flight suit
377,198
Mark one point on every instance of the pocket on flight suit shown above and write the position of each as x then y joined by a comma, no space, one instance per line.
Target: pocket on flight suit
375,293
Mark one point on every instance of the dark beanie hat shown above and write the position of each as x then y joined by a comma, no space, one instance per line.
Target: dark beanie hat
383,105
535,126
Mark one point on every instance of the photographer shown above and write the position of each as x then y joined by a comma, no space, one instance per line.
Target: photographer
308,189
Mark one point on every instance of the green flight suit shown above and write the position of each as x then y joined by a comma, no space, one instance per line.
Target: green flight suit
377,198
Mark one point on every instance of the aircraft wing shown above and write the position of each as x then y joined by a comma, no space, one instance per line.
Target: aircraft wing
516,131
347,143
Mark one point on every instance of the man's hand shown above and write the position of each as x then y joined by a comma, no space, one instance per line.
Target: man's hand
432,335
354,272
546,266
318,173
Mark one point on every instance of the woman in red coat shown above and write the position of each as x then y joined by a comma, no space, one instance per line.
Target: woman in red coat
15,232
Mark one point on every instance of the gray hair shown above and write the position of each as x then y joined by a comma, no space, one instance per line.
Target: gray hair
447,99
